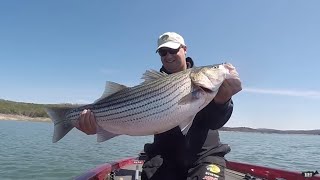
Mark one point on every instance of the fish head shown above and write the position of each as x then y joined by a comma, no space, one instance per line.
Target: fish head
205,82
209,78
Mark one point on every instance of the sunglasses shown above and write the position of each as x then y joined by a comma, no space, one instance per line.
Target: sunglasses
163,52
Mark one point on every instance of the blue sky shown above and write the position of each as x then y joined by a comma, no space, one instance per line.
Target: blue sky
64,51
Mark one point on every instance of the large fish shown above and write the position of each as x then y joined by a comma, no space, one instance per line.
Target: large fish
159,104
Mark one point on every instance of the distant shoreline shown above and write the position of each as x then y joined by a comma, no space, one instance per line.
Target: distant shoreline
270,131
7,107
12,117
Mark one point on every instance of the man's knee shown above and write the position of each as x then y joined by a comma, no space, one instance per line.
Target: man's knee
206,171
150,167
209,168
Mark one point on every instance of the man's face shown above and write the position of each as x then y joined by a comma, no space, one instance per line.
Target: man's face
173,60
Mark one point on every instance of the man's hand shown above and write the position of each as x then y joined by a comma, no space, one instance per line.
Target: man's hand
229,87
87,122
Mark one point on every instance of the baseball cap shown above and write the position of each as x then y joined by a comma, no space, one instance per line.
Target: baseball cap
170,40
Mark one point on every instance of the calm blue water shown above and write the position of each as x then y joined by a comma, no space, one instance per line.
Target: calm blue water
26,151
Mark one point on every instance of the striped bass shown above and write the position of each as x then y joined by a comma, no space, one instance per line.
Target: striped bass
159,104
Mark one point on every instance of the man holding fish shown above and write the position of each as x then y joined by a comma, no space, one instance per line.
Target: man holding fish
191,149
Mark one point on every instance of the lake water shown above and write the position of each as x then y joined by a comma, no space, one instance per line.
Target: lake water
26,151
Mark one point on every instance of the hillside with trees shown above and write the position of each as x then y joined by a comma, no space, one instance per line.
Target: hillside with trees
38,111
22,109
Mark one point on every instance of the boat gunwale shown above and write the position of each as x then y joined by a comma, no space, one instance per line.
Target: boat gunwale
101,171
267,172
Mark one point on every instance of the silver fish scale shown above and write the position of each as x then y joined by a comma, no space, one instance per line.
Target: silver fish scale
115,101
146,105
134,94
131,99
144,99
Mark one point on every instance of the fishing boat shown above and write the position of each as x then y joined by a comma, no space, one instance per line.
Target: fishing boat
130,169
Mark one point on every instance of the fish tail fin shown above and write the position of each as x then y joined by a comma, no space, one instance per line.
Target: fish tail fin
62,125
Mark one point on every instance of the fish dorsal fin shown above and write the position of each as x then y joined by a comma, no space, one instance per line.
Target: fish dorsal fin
151,75
111,88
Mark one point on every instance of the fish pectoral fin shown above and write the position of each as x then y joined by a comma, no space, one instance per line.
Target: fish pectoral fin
185,125
103,135
191,97
111,88
151,75
186,99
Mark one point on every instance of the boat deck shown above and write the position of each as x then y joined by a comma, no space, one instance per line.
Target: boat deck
129,173
131,168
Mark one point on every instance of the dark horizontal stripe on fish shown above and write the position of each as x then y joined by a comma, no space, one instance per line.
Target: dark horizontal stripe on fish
148,115
132,92
132,103
113,104
129,92
133,108
75,113
150,85
142,112
143,99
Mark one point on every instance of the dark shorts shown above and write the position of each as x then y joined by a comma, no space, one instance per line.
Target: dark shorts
157,168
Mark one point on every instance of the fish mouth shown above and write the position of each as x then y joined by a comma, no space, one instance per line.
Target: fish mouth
206,90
